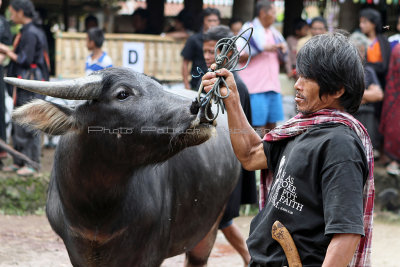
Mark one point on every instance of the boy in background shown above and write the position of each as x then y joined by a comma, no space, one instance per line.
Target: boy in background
98,59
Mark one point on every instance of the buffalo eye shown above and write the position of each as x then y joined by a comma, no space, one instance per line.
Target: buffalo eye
123,95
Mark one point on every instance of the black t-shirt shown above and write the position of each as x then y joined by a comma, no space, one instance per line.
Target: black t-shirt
193,51
317,192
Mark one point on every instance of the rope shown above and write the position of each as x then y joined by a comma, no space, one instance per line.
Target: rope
226,56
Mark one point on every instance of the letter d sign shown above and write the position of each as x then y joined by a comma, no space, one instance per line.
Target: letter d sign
133,56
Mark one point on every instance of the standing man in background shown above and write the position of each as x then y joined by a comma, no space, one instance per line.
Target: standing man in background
268,49
193,50
29,60
98,59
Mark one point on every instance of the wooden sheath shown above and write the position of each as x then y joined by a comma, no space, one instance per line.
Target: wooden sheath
282,235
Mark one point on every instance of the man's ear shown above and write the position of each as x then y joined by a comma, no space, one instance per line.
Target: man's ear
48,117
339,93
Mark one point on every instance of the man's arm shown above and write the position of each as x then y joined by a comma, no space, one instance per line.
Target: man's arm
341,249
4,49
246,143
185,73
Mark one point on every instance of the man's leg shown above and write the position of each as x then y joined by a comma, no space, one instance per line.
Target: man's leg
235,238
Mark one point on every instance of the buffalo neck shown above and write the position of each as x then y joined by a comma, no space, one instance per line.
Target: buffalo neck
91,186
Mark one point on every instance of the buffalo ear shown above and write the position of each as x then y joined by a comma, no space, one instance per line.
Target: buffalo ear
48,117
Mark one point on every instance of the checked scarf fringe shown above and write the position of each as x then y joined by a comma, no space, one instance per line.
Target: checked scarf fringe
301,123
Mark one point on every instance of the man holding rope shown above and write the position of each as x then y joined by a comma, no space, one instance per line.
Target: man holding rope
318,166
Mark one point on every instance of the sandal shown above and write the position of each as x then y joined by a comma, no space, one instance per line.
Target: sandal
11,168
26,171
393,168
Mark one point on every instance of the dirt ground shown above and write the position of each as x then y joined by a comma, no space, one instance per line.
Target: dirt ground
28,241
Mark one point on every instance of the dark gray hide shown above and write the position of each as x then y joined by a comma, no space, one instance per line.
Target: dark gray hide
133,198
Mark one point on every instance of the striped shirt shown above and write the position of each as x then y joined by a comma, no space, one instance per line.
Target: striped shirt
97,64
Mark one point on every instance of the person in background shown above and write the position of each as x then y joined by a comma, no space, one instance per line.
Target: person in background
28,60
245,190
5,38
378,53
395,38
318,26
235,24
268,51
98,59
140,21
193,49
300,30
373,92
378,56
390,120
182,25
91,22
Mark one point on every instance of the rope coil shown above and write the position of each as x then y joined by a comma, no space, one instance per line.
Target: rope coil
226,56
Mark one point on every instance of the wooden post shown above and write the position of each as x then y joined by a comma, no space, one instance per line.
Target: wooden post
156,8
293,9
66,15
349,15
243,9
196,8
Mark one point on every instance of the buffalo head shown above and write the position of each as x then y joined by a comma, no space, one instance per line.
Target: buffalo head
126,112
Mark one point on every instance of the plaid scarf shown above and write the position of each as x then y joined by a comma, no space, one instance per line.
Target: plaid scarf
301,123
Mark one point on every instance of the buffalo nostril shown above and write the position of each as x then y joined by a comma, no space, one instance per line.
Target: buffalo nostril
194,108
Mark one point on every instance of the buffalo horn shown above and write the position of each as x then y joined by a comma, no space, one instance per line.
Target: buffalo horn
85,88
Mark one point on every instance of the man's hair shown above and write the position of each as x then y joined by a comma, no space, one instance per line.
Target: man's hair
298,24
374,17
334,63
359,40
141,12
263,5
319,19
96,35
234,20
216,33
91,18
211,11
25,5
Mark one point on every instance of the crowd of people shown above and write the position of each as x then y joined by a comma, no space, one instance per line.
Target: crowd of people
272,102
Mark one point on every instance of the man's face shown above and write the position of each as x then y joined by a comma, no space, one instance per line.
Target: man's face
303,31
210,21
236,27
366,26
89,44
267,17
16,16
317,28
208,52
307,96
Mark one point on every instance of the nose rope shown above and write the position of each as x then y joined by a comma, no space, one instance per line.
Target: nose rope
228,58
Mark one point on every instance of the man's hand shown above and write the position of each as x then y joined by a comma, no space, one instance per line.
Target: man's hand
271,48
4,48
373,94
282,47
210,78
246,143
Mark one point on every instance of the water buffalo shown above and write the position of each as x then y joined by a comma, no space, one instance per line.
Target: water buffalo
137,177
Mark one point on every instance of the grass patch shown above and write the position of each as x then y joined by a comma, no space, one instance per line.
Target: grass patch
387,217
23,195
